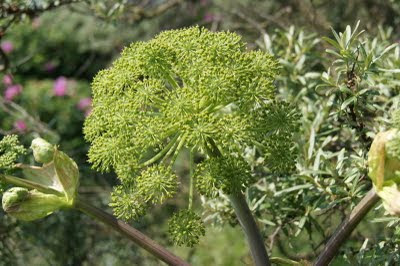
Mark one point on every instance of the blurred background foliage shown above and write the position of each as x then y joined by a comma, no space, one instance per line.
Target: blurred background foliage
50,51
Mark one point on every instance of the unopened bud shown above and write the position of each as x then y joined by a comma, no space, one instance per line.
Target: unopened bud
29,205
42,150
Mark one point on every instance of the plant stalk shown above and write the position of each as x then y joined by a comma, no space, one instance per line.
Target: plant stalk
131,233
345,229
246,219
249,226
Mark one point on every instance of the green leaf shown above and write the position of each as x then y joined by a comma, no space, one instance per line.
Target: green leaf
387,49
338,39
347,102
332,42
291,189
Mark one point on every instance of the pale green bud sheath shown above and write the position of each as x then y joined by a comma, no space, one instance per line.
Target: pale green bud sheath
384,169
29,205
42,150
391,199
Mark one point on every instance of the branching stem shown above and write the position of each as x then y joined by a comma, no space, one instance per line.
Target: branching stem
345,229
164,151
130,232
180,145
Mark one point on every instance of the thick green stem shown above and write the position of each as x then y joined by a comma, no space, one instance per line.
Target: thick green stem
254,238
131,233
246,220
345,229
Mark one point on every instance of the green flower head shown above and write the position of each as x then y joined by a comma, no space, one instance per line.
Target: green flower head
127,204
181,89
229,174
185,228
188,89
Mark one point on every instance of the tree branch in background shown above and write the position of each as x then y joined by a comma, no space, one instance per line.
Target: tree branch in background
17,110
137,13
345,229
7,10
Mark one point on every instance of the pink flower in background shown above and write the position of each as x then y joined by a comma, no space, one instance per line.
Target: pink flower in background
60,86
49,66
209,17
12,91
88,111
203,2
7,46
7,80
20,126
84,103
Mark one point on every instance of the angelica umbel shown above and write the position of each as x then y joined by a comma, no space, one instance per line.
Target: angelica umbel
189,89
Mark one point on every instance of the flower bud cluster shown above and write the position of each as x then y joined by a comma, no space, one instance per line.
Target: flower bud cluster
43,190
186,228
10,150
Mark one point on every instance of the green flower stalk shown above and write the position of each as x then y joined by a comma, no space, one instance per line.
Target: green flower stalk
189,89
